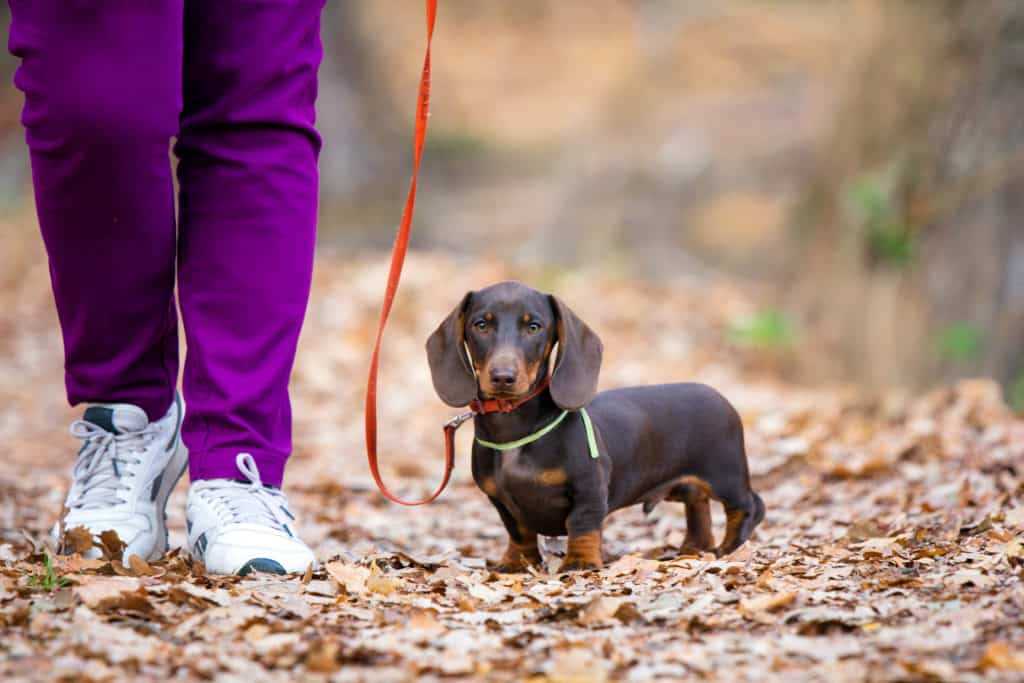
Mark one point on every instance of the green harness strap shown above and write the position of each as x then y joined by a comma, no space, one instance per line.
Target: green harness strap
591,440
530,438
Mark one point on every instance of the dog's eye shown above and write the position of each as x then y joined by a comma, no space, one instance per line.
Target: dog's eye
533,328
480,325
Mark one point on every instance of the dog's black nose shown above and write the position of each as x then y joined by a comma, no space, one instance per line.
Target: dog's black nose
501,377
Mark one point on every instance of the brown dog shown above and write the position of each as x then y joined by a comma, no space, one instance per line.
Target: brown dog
565,458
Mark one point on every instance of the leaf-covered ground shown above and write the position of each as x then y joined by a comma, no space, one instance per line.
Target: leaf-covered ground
891,549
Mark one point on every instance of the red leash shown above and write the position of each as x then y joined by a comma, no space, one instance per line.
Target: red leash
477,407
394,275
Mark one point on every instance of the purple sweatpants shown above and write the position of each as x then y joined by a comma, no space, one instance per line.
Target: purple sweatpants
107,84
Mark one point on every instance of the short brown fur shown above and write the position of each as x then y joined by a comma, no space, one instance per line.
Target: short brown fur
678,442
584,552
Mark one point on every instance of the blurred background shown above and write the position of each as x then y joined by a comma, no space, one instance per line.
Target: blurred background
854,167
816,206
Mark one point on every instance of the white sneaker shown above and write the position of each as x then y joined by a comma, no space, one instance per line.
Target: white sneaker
125,472
238,528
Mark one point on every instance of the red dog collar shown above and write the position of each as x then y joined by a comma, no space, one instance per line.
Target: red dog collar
506,405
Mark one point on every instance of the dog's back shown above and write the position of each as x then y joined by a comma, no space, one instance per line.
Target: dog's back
655,434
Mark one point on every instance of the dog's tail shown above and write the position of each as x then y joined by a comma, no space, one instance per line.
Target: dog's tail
758,509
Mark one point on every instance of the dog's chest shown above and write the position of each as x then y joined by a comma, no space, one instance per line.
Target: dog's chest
534,493
515,468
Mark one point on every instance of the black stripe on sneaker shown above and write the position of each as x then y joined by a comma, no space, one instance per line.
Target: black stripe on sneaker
201,544
177,423
156,486
102,417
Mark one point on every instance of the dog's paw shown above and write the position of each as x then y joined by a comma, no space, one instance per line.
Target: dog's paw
513,562
577,564
509,567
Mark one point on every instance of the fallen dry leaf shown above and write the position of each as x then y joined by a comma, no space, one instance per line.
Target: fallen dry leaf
577,666
425,623
488,594
7,553
349,576
140,567
78,540
1014,552
383,585
104,592
111,545
971,577
1000,656
861,573
598,610
323,656
1014,518
768,603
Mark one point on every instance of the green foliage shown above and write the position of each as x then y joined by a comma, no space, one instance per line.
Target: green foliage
961,342
48,580
890,240
767,329
1016,394
448,146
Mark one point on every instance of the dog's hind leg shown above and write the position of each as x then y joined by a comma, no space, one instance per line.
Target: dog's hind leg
742,514
694,493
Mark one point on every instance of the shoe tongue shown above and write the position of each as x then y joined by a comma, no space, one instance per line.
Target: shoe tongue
117,418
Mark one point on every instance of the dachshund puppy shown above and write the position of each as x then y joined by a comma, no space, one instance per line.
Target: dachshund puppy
556,459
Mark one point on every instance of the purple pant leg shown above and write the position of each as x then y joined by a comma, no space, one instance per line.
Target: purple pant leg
248,182
102,85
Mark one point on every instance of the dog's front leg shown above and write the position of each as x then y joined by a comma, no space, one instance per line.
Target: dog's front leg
522,551
584,526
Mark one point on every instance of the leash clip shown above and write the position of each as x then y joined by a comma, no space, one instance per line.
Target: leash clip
457,421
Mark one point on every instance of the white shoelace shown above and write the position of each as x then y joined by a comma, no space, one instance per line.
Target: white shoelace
104,464
238,502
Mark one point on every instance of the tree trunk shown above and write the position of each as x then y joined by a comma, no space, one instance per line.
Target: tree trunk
363,141
912,239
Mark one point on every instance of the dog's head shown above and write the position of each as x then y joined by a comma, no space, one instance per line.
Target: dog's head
498,341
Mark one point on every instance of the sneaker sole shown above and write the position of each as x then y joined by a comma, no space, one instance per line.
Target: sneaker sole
263,565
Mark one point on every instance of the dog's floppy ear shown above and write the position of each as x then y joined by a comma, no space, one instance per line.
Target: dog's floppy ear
450,370
574,379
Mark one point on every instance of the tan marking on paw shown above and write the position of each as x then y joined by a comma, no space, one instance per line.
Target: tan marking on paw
584,552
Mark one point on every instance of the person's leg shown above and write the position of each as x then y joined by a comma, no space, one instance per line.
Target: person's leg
248,191
102,84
